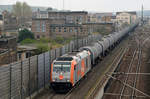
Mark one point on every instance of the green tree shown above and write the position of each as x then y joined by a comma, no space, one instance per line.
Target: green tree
24,34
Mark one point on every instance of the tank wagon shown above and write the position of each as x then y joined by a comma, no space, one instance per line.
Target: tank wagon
68,69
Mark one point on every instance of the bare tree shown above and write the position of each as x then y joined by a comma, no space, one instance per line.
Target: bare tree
23,12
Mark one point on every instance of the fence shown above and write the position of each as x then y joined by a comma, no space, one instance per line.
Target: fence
21,79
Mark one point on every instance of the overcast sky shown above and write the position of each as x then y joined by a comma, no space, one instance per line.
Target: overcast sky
88,5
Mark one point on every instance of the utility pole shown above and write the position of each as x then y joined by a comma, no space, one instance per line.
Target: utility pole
142,14
77,35
63,4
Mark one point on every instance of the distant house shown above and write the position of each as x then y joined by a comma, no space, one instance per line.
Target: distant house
60,23
69,16
40,14
126,17
99,17
113,19
10,24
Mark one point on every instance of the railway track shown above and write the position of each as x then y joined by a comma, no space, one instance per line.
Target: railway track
112,66
134,67
137,71
125,83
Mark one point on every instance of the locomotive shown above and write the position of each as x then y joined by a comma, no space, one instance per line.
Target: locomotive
70,68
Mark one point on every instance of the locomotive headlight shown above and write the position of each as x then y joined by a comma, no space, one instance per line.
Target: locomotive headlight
68,80
54,80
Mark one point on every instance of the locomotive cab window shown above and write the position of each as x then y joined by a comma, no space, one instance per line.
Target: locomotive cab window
61,67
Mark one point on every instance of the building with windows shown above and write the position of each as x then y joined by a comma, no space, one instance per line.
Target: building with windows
41,26
68,30
10,24
69,16
40,14
99,27
68,24
59,23
99,17
46,28
126,17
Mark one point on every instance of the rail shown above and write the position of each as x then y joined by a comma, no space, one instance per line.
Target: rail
130,65
118,59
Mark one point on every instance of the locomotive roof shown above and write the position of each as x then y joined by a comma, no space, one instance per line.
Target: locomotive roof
71,56
67,57
64,59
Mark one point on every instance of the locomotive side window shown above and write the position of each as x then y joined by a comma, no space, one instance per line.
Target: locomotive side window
86,62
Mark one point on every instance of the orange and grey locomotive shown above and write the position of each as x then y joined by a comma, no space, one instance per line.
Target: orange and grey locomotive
68,69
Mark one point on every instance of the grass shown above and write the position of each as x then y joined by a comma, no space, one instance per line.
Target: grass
45,44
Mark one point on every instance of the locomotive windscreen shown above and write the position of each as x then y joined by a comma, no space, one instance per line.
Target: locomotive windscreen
61,66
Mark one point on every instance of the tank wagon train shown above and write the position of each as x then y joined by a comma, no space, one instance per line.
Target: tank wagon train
68,69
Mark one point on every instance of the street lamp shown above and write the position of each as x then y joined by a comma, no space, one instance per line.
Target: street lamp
77,33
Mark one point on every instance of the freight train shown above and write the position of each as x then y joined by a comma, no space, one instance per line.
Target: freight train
70,68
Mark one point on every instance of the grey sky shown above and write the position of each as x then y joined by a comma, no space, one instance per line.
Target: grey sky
88,5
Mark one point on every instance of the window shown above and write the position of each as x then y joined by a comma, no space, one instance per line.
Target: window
79,19
81,30
86,62
70,30
69,19
76,29
59,29
43,27
38,26
64,29
54,29
37,36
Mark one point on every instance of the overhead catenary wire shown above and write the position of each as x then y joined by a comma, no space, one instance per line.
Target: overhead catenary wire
129,86
114,94
123,73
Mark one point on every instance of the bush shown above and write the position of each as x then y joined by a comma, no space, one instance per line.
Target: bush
42,48
44,40
24,34
61,40
28,41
